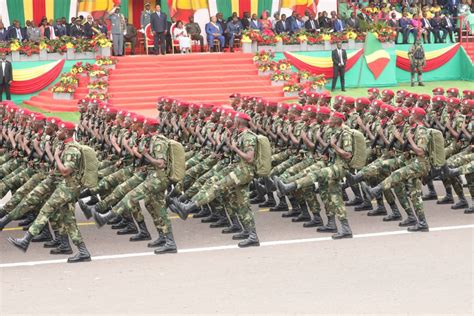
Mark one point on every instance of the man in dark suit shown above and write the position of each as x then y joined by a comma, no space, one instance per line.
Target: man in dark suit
76,29
436,25
281,26
312,24
87,27
353,22
159,29
3,33
447,25
339,60
59,28
6,76
393,23
17,32
246,21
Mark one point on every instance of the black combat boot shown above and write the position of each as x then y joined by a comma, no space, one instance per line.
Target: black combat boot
353,179
120,225
295,210
93,201
281,207
315,222
214,217
470,210
345,232
204,212
55,242
143,233
235,227
82,256
330,227
130,229
222,222
450,172
432,195
284,188
102,219
3,213
117,219
421,226
448,199
380,210
85,193
44,236
365,206
4,221
168,247
21,243
304,215
270,202
29,218
345,197
358,196
64,247
244,234
462,203
251,241
410,220
395,215
87,210
260,198
355,201
375,192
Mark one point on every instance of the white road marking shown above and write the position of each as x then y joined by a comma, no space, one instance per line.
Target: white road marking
229,247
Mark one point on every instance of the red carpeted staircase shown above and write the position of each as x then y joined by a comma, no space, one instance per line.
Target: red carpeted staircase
469,48
44,100
138,81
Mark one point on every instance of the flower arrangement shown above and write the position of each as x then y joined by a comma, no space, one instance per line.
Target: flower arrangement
268,66
69,78
280,76
98,72
338,37
15,46
292,86
64,88
105,61
351,35
5,48
317,82
98,85
98,95
79,68
282,65
302,38
263,56
43,45
29,48
101,41
304,75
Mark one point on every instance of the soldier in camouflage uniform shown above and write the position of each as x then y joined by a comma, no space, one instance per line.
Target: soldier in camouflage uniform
67,161
417,62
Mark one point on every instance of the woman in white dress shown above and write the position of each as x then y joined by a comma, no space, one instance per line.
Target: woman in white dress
180,34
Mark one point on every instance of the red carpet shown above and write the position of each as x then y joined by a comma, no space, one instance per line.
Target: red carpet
138,81
469,48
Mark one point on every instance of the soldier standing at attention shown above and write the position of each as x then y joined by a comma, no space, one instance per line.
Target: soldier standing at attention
417,62
67,159
145,16
118,27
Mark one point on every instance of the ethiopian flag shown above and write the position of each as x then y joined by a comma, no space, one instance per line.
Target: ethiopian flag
376,57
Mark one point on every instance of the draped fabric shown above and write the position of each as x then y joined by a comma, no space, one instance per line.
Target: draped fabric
321,65
34,79
265,5
28,5
49,4
137,8
244,6
4,12
62,9
16,11
225,7
434,59
39,10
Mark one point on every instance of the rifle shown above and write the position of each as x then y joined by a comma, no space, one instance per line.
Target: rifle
143,158
328,146
394,139
406,144
316,143
377,137
32,147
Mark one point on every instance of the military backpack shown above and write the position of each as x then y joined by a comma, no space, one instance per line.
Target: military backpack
436,151
89,168
359,150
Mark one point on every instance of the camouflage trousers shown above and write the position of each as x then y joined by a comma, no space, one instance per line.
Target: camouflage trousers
193,173
66,221
464,161
329,177
9,166
106,171
282,167
15,179
4,158
218,170
36,198
467,169
279,157
23,191
189,154
59,201
191,162
411,174
152,191
120,191
107,184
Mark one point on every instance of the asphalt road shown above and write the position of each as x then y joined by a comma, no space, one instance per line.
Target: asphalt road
382,270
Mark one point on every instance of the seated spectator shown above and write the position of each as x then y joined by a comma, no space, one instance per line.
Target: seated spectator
33,32
338,24
312,24
3,32
447,25
435,7
292,22
427,29
213,31
130,36
281,26
246,21
180,34
372,9
87,27
59,28
275,18
230,18
300,22
234,29
76,29
452,7
406,28
395,24
255,23
101,26
353,22
194,31
324,21
17,32
267,26
223,24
